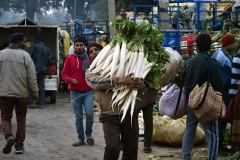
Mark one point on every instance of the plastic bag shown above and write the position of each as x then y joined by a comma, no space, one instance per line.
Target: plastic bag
172,67
169,131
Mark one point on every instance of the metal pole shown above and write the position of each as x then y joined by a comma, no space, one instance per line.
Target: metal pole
38,14
111,9
75,9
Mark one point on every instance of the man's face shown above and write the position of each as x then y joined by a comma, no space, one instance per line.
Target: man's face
230,48
93,52
79,47
23,43
123,14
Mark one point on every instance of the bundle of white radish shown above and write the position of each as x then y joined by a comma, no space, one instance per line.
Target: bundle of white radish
137,49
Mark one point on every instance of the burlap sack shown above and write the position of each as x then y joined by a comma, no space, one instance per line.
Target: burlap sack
168,131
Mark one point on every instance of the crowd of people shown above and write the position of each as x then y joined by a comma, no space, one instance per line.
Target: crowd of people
22,75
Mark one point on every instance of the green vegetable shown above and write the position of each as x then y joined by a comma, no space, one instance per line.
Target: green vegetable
145,37
235,156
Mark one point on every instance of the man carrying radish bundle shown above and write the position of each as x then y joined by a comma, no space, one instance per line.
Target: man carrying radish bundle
113,127
81,94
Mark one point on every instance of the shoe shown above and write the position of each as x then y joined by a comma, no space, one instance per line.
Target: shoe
9,143
147,149
19,150
78,143
90,140
221,152
225,149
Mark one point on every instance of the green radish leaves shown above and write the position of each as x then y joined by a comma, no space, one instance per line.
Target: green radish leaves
144,37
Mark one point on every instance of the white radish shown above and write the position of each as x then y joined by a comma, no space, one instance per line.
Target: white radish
146,72
120,72
97,69
128,56
129,64
126,105
142,67
139,64
134,96
95,61
104,55
115,60
107,61
135,57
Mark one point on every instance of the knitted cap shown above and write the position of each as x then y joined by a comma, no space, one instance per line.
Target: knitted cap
94,44
227,40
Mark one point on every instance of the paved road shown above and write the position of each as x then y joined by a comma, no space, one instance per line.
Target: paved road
51,131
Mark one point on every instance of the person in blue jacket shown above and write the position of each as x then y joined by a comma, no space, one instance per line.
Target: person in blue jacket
223,56
41,57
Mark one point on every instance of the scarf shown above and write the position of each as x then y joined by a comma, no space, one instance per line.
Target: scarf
83,56
15,45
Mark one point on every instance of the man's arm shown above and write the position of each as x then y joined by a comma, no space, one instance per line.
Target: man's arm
66,72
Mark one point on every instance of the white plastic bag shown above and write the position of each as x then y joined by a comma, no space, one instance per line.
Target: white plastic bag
172,67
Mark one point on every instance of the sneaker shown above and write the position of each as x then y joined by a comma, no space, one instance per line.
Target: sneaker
147,149
78,143
221,152
19,150
9,143
90,140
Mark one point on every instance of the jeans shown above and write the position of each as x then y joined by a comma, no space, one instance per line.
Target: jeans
85,99
211,132
7,106
41,88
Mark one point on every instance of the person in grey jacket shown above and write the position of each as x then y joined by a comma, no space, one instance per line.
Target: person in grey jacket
17,81
41,57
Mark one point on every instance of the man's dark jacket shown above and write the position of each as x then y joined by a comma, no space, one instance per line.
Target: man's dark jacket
41,57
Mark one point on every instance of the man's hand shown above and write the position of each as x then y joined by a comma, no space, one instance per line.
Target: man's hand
138,83
75,82
126,80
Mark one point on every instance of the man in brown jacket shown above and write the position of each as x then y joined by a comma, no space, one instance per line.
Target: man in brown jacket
113,128
17,81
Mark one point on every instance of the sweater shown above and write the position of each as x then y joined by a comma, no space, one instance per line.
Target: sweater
235,77
196,72
73,70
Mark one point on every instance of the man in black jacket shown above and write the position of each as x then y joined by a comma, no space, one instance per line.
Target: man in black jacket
41,57
196,72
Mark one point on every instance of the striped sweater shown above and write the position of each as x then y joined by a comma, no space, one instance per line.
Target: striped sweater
235,77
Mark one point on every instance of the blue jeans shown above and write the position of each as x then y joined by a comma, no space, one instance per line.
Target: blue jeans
85,99
211,132
41,89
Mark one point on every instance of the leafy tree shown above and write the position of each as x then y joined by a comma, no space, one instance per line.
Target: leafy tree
70,5
31,6
101,10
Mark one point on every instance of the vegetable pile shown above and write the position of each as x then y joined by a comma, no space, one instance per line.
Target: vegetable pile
216,40
136,49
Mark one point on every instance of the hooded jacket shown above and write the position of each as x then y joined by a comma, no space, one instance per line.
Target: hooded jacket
73,70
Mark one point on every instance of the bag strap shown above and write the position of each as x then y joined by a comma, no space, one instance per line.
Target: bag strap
208,81
181,88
